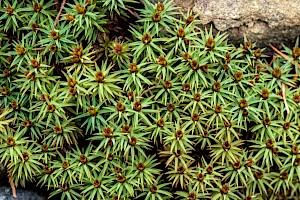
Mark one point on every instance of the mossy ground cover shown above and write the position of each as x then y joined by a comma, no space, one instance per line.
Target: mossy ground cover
115,100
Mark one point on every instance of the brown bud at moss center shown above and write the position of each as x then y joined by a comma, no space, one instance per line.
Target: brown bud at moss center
10,141
54,34
25,156
97,183
210,43
137,106
225,189
65,165
156,17
216,86
80,9
132,141
226,145
277,72
51,108
178,134
146,39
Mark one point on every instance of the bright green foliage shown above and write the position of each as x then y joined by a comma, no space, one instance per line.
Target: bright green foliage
99,106
10,13
85,19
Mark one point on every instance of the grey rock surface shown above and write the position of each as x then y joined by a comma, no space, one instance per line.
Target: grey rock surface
6,194
227,14
262,21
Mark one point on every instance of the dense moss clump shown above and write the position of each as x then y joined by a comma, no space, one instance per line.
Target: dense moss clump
90,110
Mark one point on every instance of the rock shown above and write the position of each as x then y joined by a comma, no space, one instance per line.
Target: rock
185,4
6,194
262,21
235,13
22,194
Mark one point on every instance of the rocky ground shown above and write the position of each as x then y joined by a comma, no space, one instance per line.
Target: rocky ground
6,194
263,21
22,194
